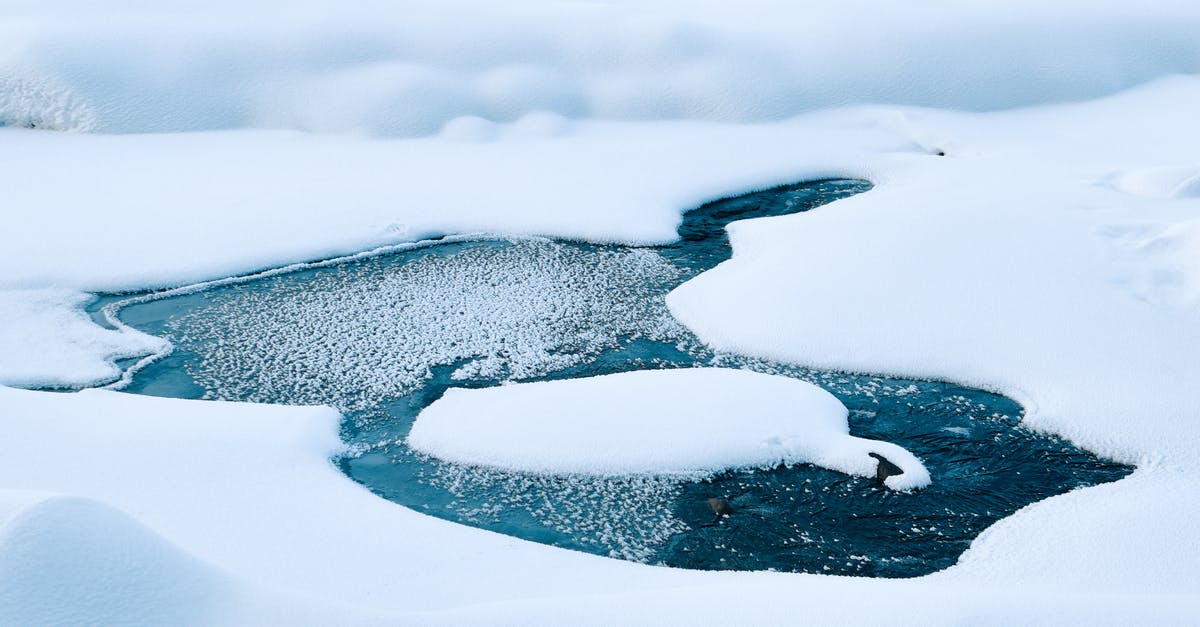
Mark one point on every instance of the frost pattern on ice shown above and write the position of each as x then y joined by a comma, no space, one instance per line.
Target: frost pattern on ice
630,517
358,336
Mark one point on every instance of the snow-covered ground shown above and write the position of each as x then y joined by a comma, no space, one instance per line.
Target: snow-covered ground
1052,253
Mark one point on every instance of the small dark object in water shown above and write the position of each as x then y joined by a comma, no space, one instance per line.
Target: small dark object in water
720,507
885,468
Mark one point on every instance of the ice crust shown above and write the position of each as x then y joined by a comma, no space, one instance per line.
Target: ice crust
505,310
691,421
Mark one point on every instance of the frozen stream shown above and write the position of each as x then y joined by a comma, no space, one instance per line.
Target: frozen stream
382,337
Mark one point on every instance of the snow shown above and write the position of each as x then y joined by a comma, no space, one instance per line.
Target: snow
249,491
53,547
1177,181
46,341
692,421
1050,254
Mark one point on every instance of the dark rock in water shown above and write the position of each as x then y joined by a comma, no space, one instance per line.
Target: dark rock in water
885,468
720,507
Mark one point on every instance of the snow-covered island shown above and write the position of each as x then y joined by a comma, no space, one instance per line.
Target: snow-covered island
693,421
1033,230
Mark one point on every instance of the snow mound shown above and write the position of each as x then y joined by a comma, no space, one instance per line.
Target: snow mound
71,560
1160,182
687,421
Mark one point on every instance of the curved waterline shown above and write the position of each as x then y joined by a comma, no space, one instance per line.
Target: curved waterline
381,335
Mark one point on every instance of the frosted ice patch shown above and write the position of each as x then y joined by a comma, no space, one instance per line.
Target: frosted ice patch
370,332
662,422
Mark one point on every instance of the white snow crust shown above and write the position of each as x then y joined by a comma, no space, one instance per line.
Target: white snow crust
692,421
1049,254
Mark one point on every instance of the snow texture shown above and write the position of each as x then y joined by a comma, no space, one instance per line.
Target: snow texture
1047,252
692,421
46,341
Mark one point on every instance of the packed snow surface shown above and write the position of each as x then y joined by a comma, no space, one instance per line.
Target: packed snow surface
684,421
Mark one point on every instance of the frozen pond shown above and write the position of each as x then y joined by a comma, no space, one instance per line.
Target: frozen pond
382,337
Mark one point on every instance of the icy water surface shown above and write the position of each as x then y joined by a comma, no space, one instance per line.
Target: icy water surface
382,337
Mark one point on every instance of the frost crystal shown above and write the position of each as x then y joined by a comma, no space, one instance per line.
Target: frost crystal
361,334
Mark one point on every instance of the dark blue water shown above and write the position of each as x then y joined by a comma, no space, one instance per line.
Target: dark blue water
383,337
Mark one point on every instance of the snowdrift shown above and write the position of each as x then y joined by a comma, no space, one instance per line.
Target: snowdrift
71,560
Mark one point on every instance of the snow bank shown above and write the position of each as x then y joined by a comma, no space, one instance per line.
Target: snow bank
164,210
407,70
687,421
46,341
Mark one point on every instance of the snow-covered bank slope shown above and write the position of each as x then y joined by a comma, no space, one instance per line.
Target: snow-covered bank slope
408,69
